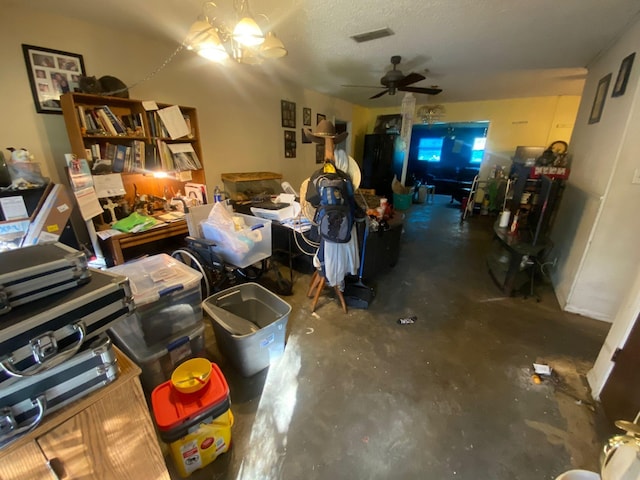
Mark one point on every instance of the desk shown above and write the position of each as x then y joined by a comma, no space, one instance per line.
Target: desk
118,243
108,434
510,259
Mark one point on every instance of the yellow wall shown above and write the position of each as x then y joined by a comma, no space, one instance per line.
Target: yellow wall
535,121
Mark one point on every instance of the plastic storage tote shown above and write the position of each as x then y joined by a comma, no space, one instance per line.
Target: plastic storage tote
157,361
250,323
197,426
250,244
166,294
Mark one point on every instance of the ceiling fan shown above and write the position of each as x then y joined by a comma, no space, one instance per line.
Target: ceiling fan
394,80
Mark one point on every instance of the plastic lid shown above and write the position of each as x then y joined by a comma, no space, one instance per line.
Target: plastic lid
156,276
173,409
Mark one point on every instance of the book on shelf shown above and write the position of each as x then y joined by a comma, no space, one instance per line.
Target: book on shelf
114,120
120,159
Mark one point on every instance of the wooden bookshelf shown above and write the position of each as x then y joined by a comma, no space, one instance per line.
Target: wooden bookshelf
137,176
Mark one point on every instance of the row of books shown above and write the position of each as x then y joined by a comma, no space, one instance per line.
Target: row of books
102,121
177,156
139,156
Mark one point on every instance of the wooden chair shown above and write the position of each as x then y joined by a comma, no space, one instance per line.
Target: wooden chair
316,287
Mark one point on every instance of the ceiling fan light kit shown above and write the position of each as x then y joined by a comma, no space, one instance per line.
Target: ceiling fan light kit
245,43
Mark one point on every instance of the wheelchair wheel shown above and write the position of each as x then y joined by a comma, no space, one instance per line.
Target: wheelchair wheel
193,260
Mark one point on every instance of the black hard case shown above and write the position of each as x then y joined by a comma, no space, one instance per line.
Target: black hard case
25,402
45,333
31,273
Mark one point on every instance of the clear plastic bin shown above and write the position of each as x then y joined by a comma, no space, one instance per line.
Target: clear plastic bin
166,294
250,324
158,361
254,240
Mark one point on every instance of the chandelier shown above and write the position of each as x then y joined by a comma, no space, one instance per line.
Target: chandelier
244,42
430,114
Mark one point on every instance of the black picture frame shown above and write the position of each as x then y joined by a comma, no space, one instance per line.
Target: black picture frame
319,152
52,73
599,99
320,117
290,144
623,76
288,110
303,135
306,116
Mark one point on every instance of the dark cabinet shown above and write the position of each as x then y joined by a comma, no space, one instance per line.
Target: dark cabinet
381,160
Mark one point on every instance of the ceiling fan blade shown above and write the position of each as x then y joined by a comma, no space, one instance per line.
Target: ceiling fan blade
427,91
409,79
384,92
363,86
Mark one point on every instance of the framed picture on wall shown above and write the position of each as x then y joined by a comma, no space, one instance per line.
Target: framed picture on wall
51,73
600,97
320,117
290,144
304,137
306,116
288,114
623,76
319,152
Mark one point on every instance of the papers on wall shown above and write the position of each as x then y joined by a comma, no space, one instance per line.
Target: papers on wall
109,185
13,208
88,203
174,122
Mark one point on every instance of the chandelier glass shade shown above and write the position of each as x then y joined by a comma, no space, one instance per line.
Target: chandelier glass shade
245,43
430,114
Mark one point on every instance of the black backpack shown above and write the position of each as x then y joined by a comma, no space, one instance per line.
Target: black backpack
335,211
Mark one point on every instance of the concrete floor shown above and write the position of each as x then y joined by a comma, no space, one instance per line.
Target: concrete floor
358,396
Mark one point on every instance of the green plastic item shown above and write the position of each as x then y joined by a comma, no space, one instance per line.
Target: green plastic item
135,223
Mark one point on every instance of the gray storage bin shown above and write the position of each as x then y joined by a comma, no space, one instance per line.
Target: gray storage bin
250,323
158,361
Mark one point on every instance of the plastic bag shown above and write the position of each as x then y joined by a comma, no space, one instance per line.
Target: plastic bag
229,231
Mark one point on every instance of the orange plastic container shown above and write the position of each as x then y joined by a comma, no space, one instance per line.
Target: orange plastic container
197,426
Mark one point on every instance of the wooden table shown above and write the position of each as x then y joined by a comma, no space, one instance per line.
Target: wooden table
108,434
118,243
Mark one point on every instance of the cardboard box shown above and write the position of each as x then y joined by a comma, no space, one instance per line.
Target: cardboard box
51,218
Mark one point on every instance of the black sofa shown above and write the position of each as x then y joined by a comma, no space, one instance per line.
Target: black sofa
454,181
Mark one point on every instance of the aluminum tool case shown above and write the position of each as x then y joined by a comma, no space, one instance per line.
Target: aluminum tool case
25,402
40,335
31,273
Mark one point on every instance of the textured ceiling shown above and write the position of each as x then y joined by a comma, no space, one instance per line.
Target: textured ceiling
472,49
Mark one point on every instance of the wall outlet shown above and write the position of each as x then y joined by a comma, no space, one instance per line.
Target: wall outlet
636,176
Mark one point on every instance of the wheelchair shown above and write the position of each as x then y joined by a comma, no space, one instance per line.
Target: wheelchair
202,255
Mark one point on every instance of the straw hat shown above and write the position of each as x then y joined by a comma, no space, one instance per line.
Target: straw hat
325,129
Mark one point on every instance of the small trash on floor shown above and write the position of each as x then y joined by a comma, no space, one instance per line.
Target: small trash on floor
407,320
535,378
542,369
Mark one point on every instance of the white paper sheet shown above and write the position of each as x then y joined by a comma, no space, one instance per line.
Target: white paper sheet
88,203
109,185
13,208
174,122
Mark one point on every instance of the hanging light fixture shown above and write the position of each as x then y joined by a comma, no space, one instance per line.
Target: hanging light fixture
246,43
430,114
